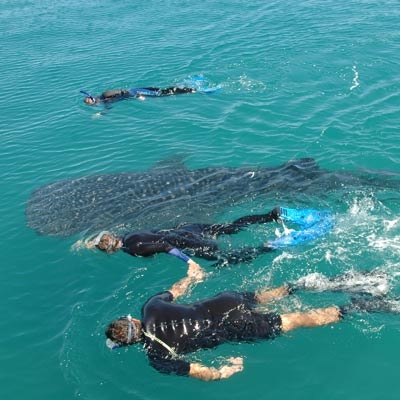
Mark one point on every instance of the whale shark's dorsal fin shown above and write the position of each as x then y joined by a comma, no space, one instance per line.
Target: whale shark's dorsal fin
175,162
302,163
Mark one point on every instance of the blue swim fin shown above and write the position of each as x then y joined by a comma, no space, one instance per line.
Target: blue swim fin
313,224
210,89
303,217
200,83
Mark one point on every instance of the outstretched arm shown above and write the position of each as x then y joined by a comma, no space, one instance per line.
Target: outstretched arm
196,370
204,373
311,319
195,274
267,295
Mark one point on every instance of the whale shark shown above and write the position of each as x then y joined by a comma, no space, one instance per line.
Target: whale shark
170,193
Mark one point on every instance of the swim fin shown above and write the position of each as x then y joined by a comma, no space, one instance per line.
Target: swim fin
303,217
291,237
372,305
200,83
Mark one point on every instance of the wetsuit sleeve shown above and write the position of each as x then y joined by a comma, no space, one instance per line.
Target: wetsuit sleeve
151,248
145,245
175,367
177,253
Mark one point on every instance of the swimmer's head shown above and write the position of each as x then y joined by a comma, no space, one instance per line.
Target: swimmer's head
123,332
107,242
90,101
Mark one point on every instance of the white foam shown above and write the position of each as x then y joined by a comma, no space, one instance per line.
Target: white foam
381,243
375,283
390,224
356,83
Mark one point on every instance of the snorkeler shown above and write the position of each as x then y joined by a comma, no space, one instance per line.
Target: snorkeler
111,96
169,330
193,84
199,239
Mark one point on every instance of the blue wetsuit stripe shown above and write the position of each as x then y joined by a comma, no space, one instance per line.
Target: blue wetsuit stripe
144,92
177,253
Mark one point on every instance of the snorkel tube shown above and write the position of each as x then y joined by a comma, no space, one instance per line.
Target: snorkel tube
87,94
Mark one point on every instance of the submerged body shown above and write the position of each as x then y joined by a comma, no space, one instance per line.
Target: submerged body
168,330
200,240
193,84
168,195
197,239
114,95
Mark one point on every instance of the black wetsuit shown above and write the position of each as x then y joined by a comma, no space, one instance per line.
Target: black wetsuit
197,238
122,94
227,317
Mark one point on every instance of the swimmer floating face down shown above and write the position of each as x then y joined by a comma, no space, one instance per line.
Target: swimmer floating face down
123,332
90,101
107,242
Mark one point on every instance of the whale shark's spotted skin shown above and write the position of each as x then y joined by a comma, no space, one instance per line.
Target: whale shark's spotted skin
167,195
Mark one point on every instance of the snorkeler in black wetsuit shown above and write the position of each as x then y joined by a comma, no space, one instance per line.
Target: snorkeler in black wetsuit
195,237
110,96
169,330
228,316
199,238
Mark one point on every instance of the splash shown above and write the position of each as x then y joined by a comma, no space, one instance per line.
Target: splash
384,244
356,83
202,84
375,283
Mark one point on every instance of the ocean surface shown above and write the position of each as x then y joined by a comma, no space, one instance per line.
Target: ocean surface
316,78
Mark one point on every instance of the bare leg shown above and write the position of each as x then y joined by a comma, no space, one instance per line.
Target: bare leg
310,319
267,295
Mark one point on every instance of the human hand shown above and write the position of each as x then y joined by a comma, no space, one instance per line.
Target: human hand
77,245
82,244
236,365
89,244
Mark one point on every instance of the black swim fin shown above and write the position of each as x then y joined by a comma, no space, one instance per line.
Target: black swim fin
372,305
373,282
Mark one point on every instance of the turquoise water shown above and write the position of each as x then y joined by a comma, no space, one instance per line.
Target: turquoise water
300,79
